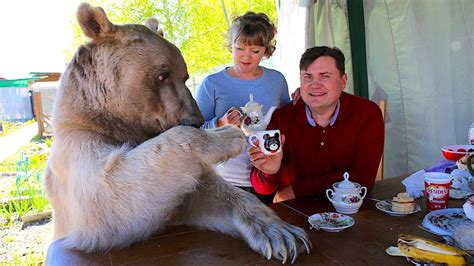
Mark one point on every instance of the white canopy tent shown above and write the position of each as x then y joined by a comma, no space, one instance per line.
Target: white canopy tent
419,55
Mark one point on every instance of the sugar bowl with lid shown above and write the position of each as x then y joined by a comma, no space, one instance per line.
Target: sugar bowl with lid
347,196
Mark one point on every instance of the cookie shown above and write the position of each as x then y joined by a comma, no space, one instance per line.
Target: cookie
403,203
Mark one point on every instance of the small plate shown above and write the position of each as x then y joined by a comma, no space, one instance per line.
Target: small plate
386,206
443,222
330,221
459,194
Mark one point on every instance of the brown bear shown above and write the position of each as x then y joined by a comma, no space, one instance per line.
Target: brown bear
129,158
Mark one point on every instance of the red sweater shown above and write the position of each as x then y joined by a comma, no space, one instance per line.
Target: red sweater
315,157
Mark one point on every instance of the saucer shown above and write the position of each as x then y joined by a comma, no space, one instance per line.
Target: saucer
459,194
330,221
386,206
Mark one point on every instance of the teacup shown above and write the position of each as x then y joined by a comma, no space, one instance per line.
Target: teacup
269,141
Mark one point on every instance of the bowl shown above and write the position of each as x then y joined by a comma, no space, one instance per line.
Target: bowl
456,152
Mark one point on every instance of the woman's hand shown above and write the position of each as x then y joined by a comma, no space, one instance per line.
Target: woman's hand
295,96
232,116
269,164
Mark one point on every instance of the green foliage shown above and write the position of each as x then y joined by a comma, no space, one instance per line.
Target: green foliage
9,126
27,192
49,142
196,27
33,259
36,153
14,209
7,214
28,197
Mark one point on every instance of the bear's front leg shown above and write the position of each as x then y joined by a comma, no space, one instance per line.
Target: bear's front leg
211,146
219,206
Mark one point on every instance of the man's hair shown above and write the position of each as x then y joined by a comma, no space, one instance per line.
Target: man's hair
314,53
253,29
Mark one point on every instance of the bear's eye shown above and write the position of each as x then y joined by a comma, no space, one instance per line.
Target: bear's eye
163,76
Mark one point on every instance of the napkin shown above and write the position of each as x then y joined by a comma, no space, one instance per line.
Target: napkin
414,184
443,166
461,180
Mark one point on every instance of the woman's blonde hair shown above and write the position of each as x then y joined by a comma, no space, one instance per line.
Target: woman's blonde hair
253,29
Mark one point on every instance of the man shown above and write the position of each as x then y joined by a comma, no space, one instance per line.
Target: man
326,133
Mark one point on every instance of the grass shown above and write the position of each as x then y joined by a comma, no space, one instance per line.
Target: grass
27,191
28,197
9,127
32,259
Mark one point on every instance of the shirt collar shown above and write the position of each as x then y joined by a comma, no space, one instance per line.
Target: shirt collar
333,119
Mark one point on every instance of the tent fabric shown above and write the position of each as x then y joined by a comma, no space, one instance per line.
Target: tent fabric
294,36
419,55
331,29
303,24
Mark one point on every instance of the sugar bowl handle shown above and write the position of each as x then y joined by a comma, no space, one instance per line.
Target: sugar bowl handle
363,190
329,191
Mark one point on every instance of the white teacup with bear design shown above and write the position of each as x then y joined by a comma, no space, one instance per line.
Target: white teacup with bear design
269,141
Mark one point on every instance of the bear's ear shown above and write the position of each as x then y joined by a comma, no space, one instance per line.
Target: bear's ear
94,22
154,25
266,136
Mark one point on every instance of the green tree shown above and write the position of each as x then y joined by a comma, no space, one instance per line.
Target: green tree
197,27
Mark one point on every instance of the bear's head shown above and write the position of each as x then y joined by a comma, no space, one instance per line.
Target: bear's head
271,143
127,84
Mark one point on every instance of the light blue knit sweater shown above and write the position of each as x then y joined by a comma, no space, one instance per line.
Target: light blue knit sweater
218,92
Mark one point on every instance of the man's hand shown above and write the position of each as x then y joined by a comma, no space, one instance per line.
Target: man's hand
269,164
295,96
283,194
232,116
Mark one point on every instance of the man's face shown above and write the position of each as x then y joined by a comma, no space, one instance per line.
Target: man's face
322,85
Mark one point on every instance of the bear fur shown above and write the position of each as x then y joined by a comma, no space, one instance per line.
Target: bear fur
129,158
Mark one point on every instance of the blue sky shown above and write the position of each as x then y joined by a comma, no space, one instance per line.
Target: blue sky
34,35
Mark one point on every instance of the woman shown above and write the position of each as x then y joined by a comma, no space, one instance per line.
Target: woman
221,94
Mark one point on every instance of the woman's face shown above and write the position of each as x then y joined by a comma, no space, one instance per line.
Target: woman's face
247,57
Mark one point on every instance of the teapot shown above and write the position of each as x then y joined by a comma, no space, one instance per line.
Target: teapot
347,196
253,119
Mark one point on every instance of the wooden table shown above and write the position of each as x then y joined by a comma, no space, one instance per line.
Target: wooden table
362,244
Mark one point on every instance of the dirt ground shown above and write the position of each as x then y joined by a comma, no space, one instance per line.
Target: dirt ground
19,240
5,184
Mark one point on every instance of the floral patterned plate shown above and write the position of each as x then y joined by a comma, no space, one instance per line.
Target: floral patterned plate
330,221
386,206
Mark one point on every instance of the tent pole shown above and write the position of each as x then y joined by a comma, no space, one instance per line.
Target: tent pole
355,10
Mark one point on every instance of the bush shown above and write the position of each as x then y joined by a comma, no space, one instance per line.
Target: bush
27,192
9,126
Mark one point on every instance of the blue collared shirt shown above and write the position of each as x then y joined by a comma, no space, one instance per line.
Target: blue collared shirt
333,119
